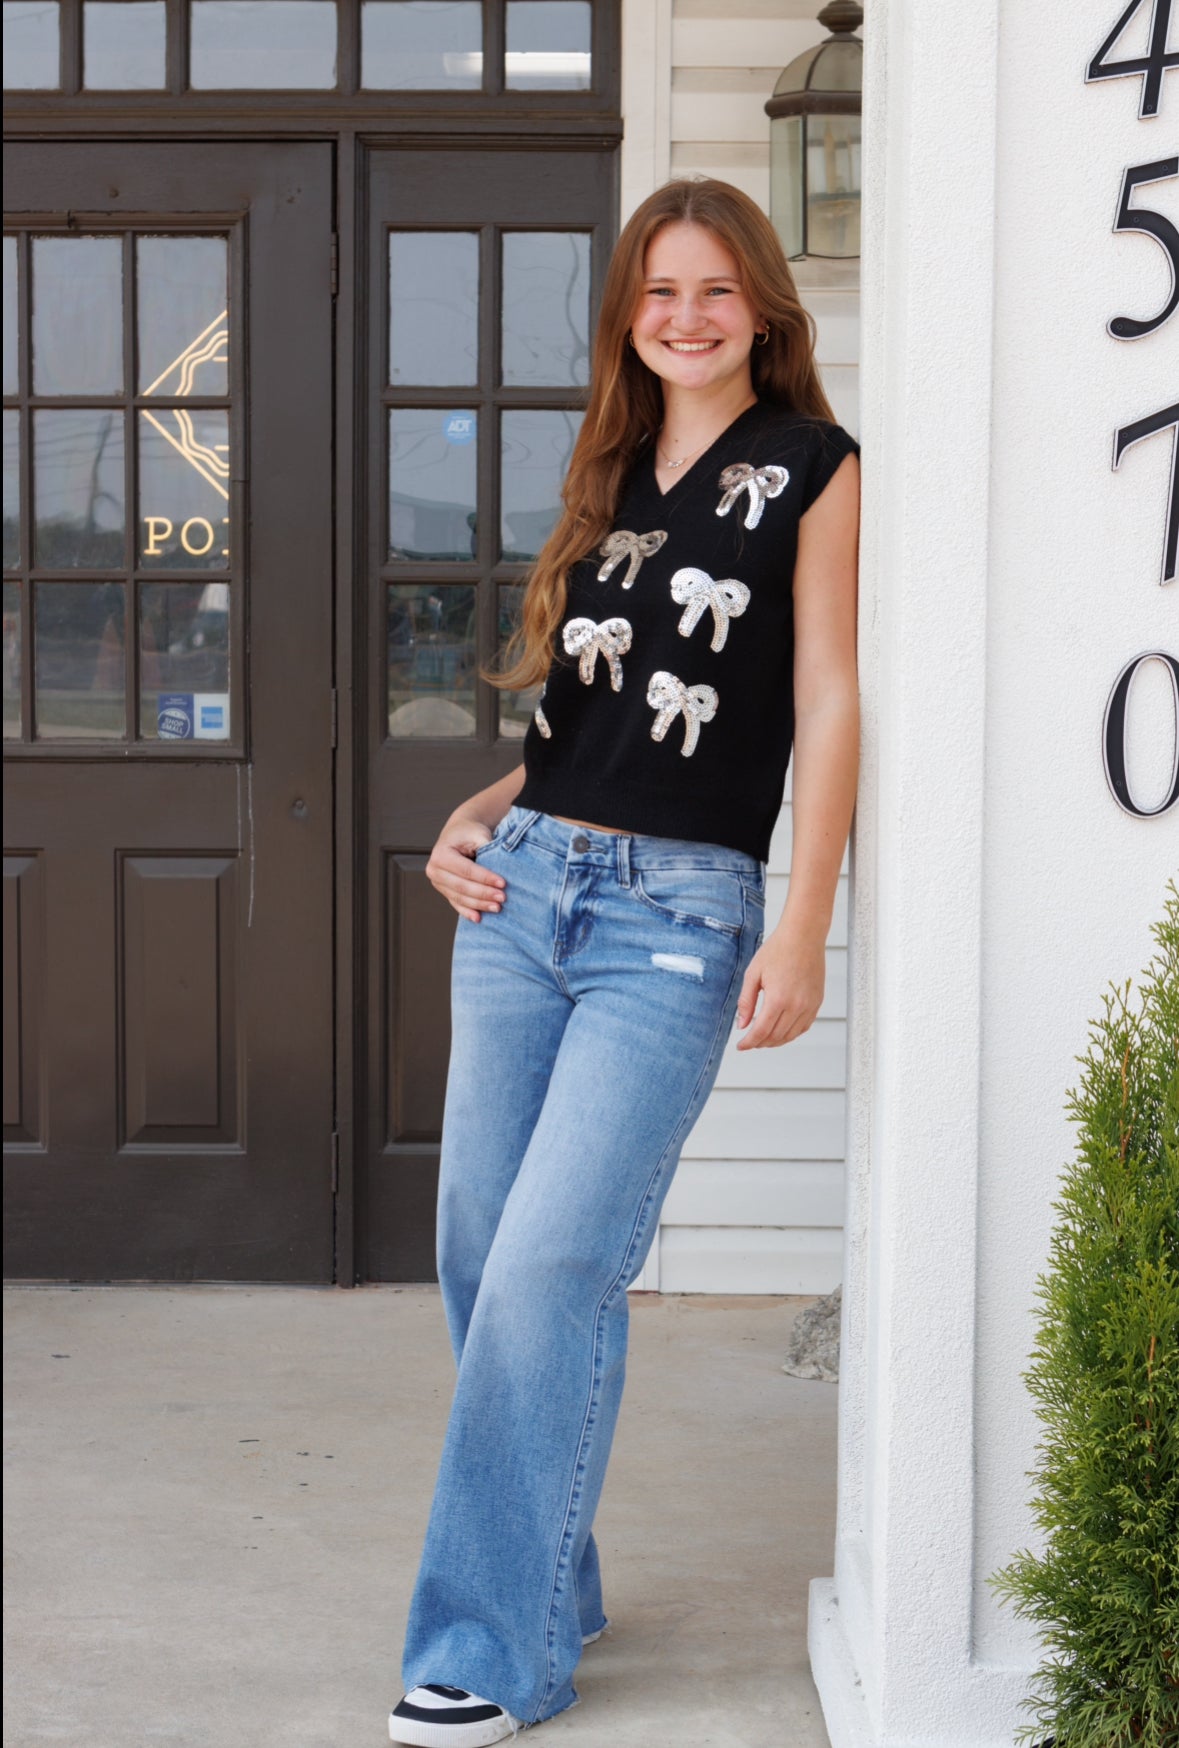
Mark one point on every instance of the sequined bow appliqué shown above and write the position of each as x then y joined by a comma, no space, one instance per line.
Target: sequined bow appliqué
760,482
539,717
587,641
670,698
695,591
634,547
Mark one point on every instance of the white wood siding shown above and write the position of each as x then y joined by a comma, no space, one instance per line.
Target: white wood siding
757,1203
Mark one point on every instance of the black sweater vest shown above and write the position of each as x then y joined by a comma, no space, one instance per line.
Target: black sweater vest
669,706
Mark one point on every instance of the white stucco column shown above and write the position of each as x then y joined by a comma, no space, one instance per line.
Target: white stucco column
1008,574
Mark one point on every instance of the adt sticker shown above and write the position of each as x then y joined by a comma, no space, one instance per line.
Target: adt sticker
459,427
174,716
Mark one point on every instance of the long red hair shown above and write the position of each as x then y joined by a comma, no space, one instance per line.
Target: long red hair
625,401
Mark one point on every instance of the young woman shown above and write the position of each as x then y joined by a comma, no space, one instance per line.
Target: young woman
692,618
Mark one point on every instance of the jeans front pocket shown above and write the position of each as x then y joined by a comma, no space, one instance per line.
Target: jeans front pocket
496,837
711,898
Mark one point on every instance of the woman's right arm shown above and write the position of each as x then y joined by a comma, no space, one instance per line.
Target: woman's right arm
452,868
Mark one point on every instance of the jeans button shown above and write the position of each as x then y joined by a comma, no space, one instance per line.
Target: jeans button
581,844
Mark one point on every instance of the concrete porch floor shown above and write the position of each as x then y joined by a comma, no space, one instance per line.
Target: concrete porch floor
215,1498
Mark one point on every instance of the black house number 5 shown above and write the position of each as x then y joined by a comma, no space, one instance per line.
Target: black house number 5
1151,224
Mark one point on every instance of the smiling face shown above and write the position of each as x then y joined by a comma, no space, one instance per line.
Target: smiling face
694,326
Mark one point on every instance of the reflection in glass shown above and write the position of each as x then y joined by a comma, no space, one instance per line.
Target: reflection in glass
535,451
78,508
79,644
77,315
433,307
11,489
431,483
183,489
515,708
32,56
546,307
182,315
548,45
11,320
123,42
421,45
184,661
12,661
432,654
263,45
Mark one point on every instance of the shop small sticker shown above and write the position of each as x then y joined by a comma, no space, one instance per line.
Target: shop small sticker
459,428
174,716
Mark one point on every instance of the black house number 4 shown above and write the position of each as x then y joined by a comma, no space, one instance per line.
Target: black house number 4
1150,67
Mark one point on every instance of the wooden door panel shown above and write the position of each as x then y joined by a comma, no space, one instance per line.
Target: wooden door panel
180,894
177,958
24,974
419,937
415,1005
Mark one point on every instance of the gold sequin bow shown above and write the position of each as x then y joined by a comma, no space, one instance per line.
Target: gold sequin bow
695,591
635,547
760,482
587,641
670,698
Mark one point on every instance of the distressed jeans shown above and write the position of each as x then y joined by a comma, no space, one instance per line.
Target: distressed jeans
588,1020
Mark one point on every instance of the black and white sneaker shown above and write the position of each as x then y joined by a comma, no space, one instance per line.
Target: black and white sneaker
449,1717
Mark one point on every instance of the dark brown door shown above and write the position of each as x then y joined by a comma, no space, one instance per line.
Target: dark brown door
483,271
168,711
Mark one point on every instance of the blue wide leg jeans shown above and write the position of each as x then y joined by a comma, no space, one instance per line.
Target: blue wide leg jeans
589,1018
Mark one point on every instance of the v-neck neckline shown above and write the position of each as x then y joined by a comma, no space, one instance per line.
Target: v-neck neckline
682,478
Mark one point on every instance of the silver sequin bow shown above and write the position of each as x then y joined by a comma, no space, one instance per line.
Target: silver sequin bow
635,547
539,717
695,591
760,482
587,641
670,698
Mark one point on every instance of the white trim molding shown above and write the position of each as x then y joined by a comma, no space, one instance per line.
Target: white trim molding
646,100
891,1635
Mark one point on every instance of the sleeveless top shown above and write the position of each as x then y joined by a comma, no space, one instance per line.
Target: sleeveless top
669,706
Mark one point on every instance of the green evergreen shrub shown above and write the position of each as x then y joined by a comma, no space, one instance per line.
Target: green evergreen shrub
1104,1593
1105,1377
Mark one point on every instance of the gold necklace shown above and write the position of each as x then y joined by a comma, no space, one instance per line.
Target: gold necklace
692,452
683,458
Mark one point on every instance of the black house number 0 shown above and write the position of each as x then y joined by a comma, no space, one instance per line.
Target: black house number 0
1149,69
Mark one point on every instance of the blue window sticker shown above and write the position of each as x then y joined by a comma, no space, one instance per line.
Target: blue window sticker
459,428
210,716
174,716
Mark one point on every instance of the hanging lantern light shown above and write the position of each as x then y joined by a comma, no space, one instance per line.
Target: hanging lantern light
814,115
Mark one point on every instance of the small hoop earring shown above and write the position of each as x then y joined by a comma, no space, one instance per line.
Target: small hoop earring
761,339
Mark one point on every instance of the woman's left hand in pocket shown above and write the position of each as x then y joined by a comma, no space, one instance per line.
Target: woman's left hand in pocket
789,972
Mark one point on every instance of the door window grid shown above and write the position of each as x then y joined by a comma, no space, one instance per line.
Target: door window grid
108,637
473,473
467,48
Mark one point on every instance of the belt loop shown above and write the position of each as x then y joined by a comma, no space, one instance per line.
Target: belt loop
516,832
623,860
